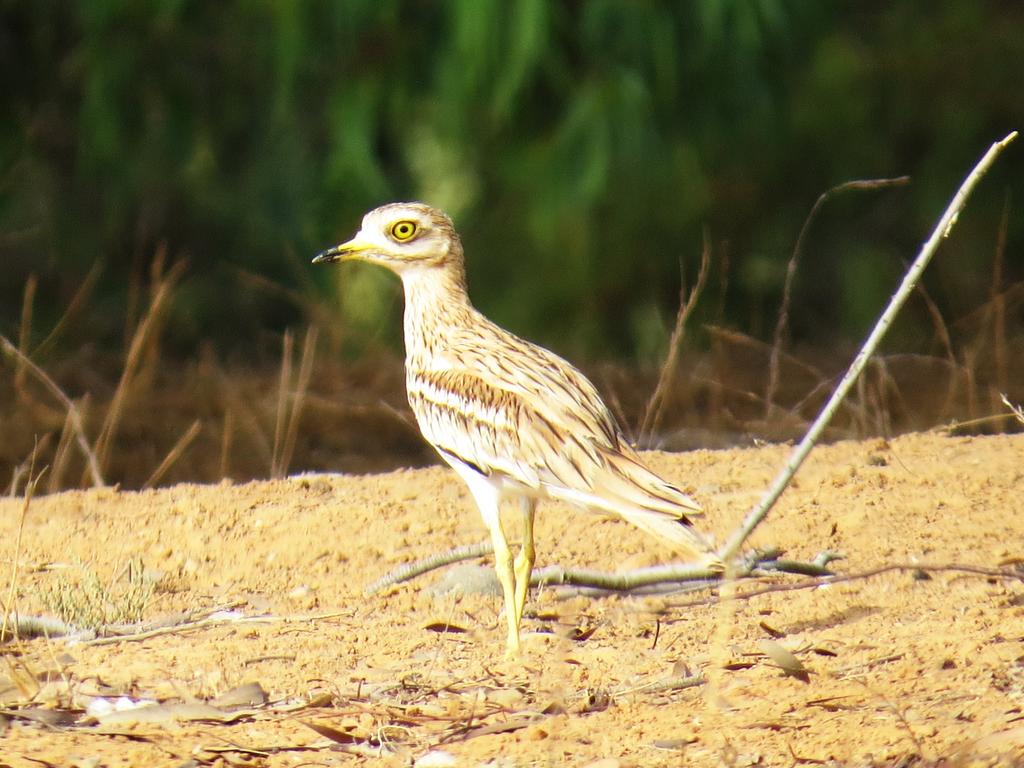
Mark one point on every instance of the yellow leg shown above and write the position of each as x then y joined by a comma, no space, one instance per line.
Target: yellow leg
514,576
506,577
488,499
525,559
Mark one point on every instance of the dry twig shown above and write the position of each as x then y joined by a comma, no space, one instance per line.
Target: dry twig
672,576
910,279
654,410
412,570
60,454
210,621
787,287
1008,574
289,403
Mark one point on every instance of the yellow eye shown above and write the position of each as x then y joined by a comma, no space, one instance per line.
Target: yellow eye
403,230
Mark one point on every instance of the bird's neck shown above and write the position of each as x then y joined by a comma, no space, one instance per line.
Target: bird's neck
436,304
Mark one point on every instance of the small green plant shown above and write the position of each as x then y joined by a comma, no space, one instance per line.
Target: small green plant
82,599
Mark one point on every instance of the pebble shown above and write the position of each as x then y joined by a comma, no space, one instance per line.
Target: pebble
469,580
435,759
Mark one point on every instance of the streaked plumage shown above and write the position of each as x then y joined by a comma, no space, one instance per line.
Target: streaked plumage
513,419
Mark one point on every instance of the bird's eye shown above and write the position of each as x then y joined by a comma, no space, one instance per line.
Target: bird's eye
403,230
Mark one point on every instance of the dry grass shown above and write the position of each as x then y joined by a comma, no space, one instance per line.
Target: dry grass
73,413
778,338
1016,410
82,599
143,345
162,421
174,454
205,422
654,411
998,302
9,605
25,331
290,401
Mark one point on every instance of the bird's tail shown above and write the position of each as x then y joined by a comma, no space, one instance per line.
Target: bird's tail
629,490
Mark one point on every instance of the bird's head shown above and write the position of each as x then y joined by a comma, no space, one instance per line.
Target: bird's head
400,236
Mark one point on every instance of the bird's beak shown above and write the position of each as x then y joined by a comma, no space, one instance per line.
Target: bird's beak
350,250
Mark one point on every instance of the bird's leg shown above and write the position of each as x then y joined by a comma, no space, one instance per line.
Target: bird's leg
506,576
490,511
525,559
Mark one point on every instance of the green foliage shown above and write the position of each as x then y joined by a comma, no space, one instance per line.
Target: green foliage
581,147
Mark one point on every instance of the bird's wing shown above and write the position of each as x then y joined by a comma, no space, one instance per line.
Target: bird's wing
532,417
460,414
548,384
502,433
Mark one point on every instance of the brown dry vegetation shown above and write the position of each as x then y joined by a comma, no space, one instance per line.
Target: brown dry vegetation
139,419
205,420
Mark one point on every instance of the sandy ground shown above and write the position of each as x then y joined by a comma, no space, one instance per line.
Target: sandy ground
905,667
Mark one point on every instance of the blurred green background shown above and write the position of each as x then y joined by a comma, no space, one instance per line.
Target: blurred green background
582,148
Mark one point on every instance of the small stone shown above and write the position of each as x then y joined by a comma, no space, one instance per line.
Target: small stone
468,579
535,733
300,592
435,759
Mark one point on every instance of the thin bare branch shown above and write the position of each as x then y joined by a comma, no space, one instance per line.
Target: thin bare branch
412,570
942,331
798,249
226,436
26,467
1009,574
210,621
910,279
671,576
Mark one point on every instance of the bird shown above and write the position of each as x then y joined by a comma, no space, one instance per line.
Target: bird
515,421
